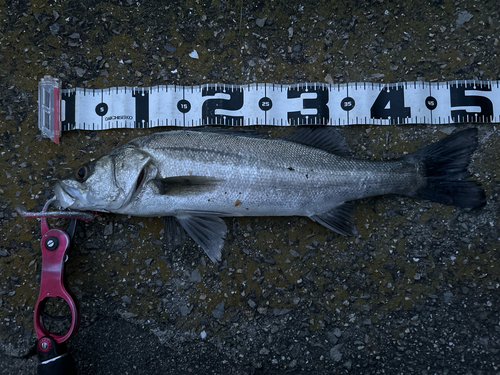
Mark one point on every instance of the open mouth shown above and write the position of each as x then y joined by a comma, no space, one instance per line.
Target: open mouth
65,195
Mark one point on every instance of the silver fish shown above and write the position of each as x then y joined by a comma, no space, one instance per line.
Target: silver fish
199,177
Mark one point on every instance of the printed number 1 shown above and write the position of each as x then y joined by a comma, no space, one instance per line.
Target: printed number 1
390,105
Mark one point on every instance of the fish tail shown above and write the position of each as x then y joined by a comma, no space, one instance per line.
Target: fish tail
445,168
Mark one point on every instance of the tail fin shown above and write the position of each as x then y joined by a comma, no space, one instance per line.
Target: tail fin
445,166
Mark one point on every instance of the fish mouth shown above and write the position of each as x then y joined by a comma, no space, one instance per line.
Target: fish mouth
65,195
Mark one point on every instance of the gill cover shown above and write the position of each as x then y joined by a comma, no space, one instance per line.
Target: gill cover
106,184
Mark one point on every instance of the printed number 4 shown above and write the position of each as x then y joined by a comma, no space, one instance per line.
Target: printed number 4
390,105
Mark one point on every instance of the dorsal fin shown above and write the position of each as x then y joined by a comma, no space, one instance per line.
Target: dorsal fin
325,138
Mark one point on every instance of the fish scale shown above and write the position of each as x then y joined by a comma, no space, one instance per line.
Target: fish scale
263,165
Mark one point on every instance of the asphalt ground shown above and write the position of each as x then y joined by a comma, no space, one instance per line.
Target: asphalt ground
416,293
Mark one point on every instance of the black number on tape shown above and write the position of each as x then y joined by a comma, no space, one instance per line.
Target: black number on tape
319,105
431,103
390,105
101,109
210,106
265,104
141,109
459,98
183,106
68,117
347,103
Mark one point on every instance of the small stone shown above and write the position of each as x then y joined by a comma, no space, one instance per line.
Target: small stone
218,312
4,253
185,310
75,36
264,351
80,71
335,353
251,303
278,312
262,310
261,21
108,229
195,276
463,17
169,49
294,253
194,54
126,299
447,129
448,296
54,28
337,332
128,315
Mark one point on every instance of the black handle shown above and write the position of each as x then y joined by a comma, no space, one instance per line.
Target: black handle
53,358
62,365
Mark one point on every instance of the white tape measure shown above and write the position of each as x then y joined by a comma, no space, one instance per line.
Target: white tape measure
265,104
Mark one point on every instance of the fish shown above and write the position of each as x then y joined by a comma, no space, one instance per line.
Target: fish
195,178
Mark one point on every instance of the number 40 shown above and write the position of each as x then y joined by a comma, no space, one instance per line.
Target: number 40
390,105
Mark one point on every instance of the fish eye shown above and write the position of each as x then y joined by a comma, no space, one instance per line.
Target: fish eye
82,173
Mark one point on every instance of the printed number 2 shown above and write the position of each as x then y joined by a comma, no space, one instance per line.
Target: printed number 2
390,104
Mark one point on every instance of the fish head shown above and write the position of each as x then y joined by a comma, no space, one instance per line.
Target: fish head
108,183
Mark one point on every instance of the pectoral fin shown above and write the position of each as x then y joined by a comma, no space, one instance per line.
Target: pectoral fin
207,230
185,185
339,219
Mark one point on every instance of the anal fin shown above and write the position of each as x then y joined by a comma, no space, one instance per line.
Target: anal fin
174,233
338,219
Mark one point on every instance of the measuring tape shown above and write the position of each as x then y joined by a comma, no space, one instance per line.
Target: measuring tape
340,104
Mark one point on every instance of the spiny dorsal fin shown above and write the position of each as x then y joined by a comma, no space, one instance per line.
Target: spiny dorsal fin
325,138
